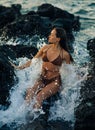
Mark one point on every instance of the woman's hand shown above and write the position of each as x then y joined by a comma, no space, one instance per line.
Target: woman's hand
12,64
27,64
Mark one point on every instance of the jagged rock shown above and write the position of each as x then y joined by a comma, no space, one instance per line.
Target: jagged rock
91,48
7,75
41,22
48,10
24,51
85,112
9,14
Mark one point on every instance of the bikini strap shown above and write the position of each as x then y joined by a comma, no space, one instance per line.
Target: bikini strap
45,50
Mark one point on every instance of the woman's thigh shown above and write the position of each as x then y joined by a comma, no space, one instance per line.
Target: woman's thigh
36,87
49,90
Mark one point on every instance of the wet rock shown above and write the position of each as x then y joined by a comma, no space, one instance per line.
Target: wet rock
91,48
48,10
45,10
42,122
9,14
85,112
28,25
41,22
60,125
24,51
7,75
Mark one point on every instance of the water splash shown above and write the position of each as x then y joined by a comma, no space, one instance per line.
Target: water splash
35,41
18,108
72,78
64,108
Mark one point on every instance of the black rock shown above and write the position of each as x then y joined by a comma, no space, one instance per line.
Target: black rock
7,75
85,112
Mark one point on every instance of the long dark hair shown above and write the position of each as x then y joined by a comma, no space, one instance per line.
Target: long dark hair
61,33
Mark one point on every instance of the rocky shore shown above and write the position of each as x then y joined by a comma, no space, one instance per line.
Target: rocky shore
16,25
85,112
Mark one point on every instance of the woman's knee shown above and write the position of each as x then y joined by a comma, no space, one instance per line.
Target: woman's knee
40,97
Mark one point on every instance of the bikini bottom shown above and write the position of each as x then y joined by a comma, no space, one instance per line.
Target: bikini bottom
42,82
48,81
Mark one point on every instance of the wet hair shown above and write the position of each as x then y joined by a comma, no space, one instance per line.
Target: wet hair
61,33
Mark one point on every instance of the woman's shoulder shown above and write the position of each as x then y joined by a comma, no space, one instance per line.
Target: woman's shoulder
46,47
65,53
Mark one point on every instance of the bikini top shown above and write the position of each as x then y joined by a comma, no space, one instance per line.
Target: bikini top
57,61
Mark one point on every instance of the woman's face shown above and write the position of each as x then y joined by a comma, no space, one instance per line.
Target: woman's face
52,37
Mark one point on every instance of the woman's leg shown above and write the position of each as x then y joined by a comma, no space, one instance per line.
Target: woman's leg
31,92
49,90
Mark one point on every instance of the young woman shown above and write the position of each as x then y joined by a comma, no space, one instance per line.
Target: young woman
52,55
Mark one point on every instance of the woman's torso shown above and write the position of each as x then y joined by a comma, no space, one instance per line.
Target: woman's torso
52,60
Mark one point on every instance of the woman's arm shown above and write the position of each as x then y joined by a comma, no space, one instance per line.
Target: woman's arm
28,63
67,57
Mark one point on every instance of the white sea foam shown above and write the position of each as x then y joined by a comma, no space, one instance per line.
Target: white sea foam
64,108
70,93
17,110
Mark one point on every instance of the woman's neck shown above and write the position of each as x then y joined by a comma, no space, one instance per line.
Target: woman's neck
56,46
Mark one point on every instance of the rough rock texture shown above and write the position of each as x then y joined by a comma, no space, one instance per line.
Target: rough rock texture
7,53
9,14
36,22
85,112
